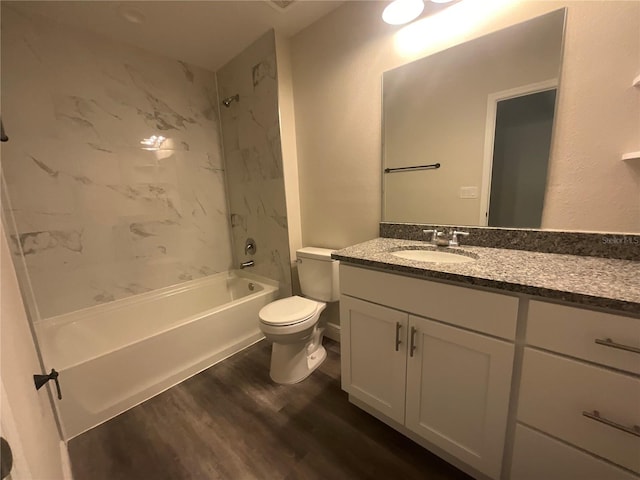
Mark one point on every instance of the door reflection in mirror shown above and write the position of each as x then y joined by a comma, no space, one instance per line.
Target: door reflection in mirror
521,148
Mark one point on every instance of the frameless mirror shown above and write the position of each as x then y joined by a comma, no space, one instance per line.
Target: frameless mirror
467,131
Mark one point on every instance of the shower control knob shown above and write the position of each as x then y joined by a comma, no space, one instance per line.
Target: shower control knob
250,247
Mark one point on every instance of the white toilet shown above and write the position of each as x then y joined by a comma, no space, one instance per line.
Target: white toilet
293,324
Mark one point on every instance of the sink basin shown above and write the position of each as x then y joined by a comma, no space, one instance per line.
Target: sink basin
434,256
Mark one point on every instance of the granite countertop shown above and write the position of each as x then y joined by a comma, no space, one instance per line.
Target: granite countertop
590,281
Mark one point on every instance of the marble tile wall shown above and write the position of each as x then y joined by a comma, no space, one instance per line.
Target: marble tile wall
253,156
97,216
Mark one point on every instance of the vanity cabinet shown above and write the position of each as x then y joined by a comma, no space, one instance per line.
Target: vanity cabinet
458,386
417,352
438,362
580,390
374,355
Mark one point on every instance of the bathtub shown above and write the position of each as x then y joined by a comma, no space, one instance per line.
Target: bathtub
114,356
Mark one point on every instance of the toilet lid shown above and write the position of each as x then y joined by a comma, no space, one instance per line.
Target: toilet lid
288,311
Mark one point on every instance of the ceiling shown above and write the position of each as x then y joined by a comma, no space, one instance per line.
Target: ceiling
203,33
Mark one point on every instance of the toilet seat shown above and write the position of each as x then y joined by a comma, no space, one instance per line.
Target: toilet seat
288,311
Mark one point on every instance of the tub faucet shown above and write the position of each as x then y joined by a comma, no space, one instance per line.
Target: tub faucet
248,263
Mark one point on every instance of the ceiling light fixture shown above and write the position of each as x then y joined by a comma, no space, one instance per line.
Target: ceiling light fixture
442,1
400,12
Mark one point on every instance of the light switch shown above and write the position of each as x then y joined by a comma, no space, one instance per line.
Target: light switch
468,192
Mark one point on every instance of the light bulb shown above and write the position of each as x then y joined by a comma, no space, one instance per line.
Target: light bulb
400,12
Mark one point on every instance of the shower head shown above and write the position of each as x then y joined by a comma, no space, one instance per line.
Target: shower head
229,100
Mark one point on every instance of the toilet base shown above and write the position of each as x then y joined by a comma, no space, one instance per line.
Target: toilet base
292,363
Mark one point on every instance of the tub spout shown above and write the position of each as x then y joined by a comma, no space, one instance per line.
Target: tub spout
248,263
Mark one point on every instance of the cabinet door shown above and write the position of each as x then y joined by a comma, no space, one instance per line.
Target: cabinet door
458,386
374,364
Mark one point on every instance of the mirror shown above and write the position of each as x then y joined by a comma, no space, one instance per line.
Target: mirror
467,131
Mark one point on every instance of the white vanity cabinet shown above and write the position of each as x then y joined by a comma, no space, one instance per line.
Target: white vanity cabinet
374,355
579,395
458,389
425,355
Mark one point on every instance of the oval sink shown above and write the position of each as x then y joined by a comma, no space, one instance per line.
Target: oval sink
434,256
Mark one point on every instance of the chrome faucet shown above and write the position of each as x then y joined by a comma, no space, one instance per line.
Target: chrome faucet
437,238
440,238
248,263
434,234
454,238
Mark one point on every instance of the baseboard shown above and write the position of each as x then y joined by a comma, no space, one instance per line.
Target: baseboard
332,331
65,461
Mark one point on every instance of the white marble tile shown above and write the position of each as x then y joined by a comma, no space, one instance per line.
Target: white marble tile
99,217
251,134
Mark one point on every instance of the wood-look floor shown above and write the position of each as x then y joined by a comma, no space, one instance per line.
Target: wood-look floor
232,422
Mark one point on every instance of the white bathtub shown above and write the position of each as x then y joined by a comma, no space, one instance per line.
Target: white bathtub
114,356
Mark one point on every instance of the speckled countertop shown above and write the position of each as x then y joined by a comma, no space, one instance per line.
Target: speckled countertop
590,281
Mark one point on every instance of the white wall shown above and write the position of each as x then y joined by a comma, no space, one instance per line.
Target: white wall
289,151
589,188
337,67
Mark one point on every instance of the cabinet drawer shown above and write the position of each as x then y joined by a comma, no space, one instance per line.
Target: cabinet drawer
555,392
537,456
574,331
486,312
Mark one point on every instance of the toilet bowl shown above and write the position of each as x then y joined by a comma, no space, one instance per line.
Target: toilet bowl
292,324
295,325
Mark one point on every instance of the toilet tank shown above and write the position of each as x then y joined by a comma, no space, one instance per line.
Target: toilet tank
318,274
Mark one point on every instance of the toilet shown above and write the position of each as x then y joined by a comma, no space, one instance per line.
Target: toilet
293,324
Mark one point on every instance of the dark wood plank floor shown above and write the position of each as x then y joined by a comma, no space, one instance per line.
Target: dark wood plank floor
232,422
